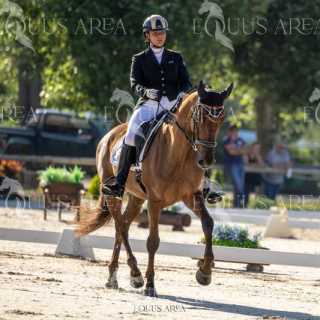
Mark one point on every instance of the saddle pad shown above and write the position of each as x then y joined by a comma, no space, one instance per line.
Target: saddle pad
150,135
143,145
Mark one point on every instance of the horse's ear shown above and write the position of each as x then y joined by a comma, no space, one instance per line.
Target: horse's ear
201,88
226,93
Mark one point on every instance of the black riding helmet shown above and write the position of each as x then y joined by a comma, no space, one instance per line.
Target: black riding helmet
155,22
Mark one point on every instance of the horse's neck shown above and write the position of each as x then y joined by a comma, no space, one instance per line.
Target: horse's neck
172,159
178,147
184,113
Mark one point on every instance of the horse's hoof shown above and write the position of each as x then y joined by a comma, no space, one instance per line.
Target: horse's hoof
112,284
203,278
136,282
150,292
112,280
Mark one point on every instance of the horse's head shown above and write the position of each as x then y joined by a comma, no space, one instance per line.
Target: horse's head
207,117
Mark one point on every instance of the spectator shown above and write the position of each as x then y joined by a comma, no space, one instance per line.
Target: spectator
234,149
252,179
278,158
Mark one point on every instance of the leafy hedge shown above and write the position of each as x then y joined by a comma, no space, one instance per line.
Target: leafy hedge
52,175
94,187
261,202
297,203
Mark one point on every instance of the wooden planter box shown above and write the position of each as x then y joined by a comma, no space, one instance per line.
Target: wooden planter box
62,195
174,219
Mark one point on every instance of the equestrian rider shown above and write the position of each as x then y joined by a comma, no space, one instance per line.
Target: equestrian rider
159,77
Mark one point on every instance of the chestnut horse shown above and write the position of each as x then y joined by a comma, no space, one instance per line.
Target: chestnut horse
172,171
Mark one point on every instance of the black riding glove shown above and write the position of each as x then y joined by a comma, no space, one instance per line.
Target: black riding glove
153,94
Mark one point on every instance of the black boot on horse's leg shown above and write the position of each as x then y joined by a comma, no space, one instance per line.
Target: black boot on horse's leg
127,158
211,196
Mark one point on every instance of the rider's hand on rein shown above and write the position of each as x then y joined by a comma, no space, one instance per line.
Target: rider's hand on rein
153,94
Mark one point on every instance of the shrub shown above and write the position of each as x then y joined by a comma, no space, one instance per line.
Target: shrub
218,176
10,168
262,202
295,202
94,187
52,175
234,236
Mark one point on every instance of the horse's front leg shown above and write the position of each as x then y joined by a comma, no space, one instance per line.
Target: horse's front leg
153,241
197,204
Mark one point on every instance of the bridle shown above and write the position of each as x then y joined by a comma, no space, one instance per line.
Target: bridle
214,113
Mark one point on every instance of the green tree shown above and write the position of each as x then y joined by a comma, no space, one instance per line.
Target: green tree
282,64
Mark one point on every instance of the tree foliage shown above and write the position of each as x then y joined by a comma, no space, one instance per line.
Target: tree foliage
83,51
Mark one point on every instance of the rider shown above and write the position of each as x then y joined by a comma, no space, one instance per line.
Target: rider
159,77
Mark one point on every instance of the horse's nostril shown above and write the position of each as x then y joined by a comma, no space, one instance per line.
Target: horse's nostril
201,162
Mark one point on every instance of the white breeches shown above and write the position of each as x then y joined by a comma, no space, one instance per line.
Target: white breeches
145,112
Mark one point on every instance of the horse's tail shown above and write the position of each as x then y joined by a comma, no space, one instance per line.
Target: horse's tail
94,218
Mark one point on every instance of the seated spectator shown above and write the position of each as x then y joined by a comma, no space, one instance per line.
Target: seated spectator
278,158
252,179
234,149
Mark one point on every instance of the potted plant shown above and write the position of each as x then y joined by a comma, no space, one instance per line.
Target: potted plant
61,187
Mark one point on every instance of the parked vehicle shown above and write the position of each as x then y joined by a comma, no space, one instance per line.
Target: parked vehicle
56,133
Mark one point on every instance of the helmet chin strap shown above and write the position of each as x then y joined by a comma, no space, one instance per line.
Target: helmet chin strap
155,46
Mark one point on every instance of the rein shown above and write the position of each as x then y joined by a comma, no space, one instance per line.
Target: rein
213,113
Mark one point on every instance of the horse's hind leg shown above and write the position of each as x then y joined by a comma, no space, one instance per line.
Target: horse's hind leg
197,205
132,210
153,242
114,265
122,224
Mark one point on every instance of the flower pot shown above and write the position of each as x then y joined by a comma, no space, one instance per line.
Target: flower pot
62,194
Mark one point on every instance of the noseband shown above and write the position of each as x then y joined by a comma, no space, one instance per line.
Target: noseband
201,110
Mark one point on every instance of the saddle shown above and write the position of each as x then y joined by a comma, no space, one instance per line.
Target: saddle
148,132
144,140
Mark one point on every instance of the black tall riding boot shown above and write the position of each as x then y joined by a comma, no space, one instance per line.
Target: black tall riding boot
127,158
